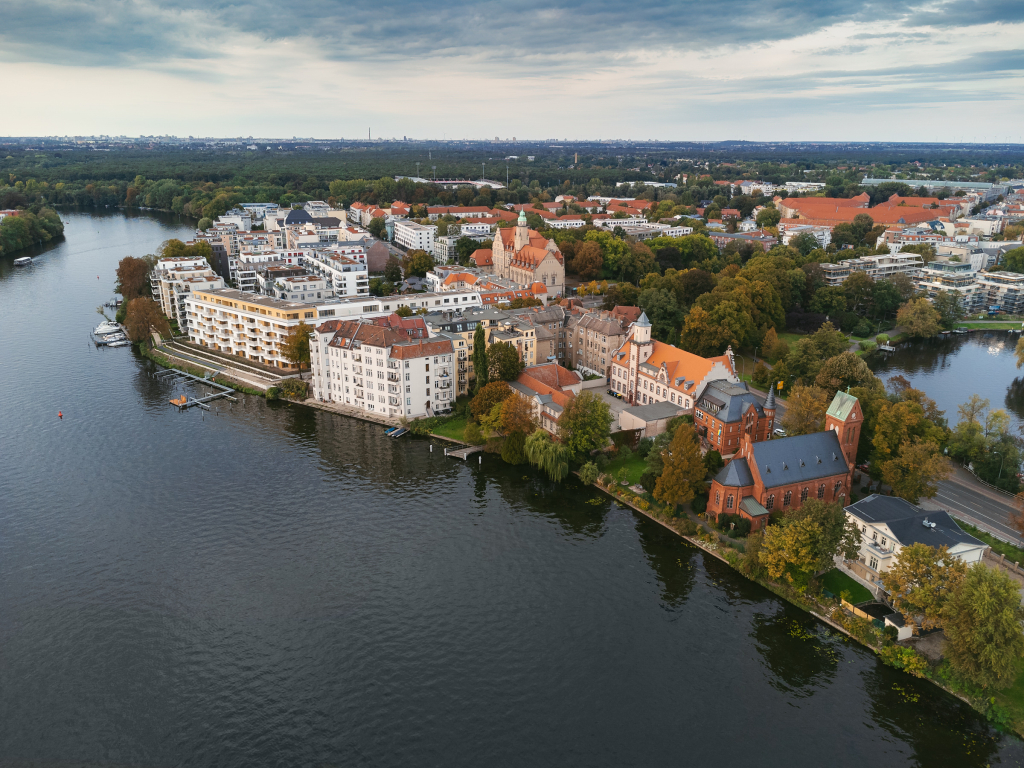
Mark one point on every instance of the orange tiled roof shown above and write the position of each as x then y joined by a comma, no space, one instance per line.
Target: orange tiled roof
483,257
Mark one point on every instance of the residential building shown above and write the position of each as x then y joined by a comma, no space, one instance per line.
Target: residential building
592,338
172,280
823,235
301,288
1002,292
553,331
957,277
773,476
725,411
345,274
648,371
444,249
888,524
413,236
377,370
549,388
877,267
245,324
435,212
765,241
526,257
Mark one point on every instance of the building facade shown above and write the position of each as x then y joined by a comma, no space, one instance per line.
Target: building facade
525,256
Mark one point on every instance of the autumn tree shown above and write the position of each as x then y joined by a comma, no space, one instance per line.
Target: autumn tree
916,470
983,628
588,261
921,582
295,347
807,540
682,476
503,361
1019,351
417,263
517,415
805,410
133,277
487,397
844,371
143,316
949,307
773,348
584,423
481,374
919,318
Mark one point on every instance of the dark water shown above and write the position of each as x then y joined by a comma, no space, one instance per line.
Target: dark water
282,587
952,368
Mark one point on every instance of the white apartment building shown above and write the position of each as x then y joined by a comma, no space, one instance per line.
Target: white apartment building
301,288
750,187
444,249
469,229
627,221
173,279
413,236
877,267
823,235
345,275
248,265
317,209
245,324
377,370
258,211
354,307
237,217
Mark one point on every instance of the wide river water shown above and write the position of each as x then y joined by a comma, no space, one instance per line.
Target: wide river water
268,585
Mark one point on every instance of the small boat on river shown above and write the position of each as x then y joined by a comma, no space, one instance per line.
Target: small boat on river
23,261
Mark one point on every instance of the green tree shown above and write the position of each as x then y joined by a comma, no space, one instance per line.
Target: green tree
921,582
513,448
589,473
1013,261
404,311
584,423
418,263
393,270
828,300
807,540
295,347
378,228
552,458
663,312
805,242
983,628
919,318
503,362
481,368
951,311
768,217
916,470
859,290
683,471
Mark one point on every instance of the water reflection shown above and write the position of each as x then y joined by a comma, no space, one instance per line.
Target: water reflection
674,562
802,670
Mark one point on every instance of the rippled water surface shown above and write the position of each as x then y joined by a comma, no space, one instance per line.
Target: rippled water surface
270,585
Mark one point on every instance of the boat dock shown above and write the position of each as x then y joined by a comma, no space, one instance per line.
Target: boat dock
463,453
184,403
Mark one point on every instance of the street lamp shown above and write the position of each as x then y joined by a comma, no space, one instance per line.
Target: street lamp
1001,457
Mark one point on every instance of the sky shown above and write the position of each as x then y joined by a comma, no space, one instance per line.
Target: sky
759,70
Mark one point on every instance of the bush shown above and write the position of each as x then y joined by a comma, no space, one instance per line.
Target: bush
625,453
713,462
867,346
645,447
725,521
863,328
588,473
514,449
686,526
472,434
294,389
762,375
273,393
648,480
699,504
601,460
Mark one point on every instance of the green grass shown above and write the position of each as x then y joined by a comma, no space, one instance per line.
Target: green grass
634,465
1013,554
1000,326
790,337
836,582
454,428
1012,698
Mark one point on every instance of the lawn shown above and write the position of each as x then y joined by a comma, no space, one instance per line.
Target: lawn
634,465
1011,326
836,582
453,428
1013,554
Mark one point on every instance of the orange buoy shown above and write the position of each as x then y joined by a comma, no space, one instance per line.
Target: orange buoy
60,415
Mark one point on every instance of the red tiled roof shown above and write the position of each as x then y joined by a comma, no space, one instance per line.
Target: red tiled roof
421,348
483,257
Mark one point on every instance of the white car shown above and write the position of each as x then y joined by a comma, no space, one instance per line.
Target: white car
780,432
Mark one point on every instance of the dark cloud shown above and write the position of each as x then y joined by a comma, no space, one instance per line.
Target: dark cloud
542,32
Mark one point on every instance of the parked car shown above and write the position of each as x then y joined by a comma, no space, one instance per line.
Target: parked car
780,432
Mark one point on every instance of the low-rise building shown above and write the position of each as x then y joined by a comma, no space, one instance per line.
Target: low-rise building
823,235
377,370
549,388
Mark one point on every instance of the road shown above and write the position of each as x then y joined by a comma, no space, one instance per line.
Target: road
977,504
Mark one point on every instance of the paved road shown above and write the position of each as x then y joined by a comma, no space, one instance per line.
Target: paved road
977,503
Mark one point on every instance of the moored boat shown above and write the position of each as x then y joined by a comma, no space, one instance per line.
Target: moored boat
23,261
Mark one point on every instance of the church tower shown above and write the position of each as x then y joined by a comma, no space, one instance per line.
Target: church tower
845,417
522,232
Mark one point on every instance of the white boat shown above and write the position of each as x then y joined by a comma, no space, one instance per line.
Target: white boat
106,327
113,337
23,261
122,343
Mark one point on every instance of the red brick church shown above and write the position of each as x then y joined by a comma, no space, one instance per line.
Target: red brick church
774,476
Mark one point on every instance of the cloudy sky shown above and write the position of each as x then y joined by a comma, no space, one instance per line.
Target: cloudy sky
686,70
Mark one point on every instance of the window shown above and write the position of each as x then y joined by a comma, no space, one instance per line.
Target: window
873,564
883,542
821,491
728,502
835,491
718,498
771,502
787,498
803,495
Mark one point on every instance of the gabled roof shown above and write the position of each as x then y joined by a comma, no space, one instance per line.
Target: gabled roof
906,521
735,474
841,405
733,400
798,459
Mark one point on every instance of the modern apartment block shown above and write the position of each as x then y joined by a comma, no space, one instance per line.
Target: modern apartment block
877,267
172,280
414,236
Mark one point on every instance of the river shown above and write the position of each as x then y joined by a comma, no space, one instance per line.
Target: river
268,585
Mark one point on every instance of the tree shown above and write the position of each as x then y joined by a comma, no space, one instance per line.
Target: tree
133,277
768,217
404,311
1019,351
487,397
480,364
828,300
513,449
622,295
694,283
393,270
464,248
295,347
842,371
378,228
517,415
553,458
805,410
503,362
589,473
683,472
951,311
916,470
921,581
1013,261
584,423
663,312
919,318
983,628
859,291
418,263
886,297
204,224
807,540
805,242
588,261
143,315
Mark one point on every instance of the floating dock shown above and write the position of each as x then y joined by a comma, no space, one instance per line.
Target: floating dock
463,453
183,403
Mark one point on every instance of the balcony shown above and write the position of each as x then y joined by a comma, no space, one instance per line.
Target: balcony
394,377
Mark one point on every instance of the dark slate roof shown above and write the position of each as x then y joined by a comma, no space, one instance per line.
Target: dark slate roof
906,521
298,216
327,221
654,411
732,399
735,474
799,459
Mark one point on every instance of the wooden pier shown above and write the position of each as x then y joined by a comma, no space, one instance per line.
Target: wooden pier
463,453
183,403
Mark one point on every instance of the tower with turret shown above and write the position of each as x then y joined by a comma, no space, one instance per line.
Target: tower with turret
845,417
